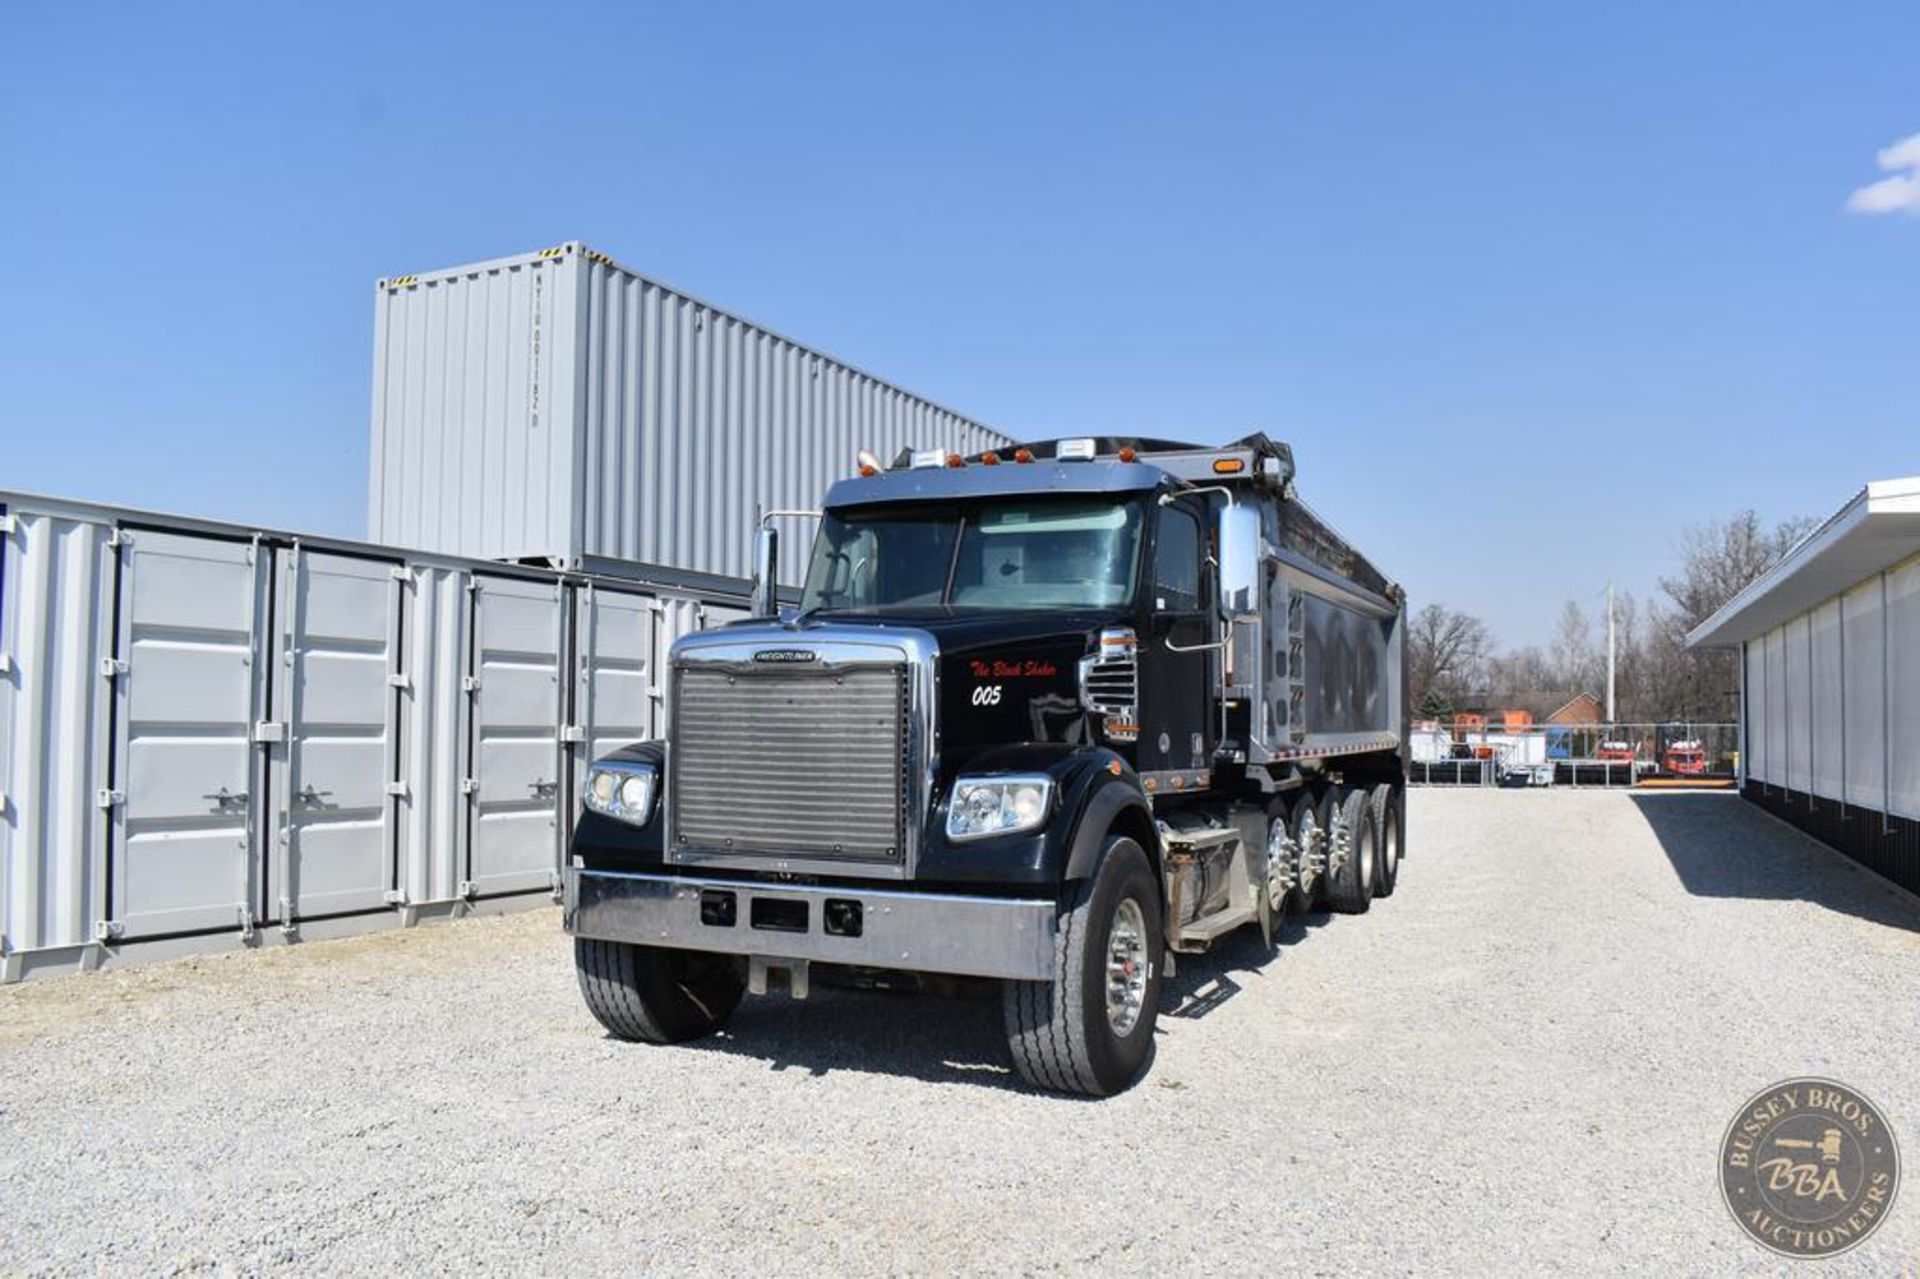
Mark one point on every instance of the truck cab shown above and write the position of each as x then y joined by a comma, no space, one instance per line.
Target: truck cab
1048,717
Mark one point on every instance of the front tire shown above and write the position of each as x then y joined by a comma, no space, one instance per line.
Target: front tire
1090,1029
652,995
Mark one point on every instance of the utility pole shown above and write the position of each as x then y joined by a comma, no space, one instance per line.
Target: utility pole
1611,651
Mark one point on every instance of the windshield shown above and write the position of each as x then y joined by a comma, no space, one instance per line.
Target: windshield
1040,553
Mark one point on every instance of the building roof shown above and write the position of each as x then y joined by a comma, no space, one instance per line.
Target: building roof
1877,529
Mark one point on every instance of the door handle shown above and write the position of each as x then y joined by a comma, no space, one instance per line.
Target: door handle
224,799
544,790
311,797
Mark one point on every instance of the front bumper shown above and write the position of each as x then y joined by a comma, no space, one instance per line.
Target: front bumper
922,932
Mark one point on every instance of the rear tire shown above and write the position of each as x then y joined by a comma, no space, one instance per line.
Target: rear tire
1350,889
651,995
1090,1029
1390,835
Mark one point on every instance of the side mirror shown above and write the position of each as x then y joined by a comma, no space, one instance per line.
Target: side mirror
766,572
1239,543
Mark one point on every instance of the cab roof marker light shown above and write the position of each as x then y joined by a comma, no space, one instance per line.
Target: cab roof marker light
1023,455
1074,451
1127,454
955,460
989,458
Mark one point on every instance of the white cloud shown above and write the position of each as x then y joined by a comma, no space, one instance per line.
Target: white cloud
1899,193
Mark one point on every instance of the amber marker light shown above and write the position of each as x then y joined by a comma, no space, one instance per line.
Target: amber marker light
989,459
1023,455
1228,466
1127,454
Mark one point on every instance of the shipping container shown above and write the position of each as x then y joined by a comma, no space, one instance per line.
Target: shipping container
560,408
1830,681
213,735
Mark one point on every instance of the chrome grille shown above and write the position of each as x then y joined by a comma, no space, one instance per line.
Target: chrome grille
809,763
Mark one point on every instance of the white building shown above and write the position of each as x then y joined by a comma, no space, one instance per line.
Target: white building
1830,681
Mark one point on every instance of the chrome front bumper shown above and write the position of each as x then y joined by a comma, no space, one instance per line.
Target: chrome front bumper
924,932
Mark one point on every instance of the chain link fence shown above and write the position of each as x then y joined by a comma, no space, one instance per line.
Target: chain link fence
1474,751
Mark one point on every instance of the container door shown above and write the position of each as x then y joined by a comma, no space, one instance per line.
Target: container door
187,694
337,697
614,686
514,787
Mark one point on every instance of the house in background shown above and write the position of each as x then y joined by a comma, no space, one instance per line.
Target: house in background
1581,710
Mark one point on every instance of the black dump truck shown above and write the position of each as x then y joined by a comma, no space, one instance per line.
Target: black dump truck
1052,716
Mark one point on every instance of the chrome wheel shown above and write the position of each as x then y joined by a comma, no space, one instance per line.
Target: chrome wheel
1339,842
1312,846
1127,961
1283,863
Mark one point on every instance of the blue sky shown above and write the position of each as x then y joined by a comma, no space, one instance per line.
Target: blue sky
1530,288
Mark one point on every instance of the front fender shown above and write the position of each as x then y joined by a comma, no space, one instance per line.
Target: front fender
606,844
1093,787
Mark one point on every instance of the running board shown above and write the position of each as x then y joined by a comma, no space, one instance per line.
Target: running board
1201,933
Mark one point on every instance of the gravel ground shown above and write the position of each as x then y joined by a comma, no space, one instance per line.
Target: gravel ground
1524,1061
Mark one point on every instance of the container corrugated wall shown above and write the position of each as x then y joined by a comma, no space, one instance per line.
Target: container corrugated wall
56,610
559,406
212,734
1832,706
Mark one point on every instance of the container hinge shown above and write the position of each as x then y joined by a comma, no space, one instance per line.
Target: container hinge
8,524
469,785
469,683
269,730
468,889
401,682
109,798
399,790
288,924
106,930
656,605
573,733
6,663
112,668
657,693
246,924
394,897
400,573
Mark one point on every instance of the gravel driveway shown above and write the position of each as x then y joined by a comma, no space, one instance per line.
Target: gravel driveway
1524,1060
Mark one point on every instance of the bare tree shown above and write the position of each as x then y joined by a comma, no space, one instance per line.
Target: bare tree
1578,666
1718,561
1447,652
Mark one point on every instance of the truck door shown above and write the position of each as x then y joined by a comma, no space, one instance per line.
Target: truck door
1175,691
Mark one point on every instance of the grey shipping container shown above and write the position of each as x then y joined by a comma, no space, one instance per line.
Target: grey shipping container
557,407
212,734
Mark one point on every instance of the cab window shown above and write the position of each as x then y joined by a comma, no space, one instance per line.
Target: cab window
1176,562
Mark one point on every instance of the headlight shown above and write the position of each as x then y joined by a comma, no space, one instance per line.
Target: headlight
622,790
998,805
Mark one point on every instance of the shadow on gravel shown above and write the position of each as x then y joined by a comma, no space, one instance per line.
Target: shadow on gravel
1722,846
957,1036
